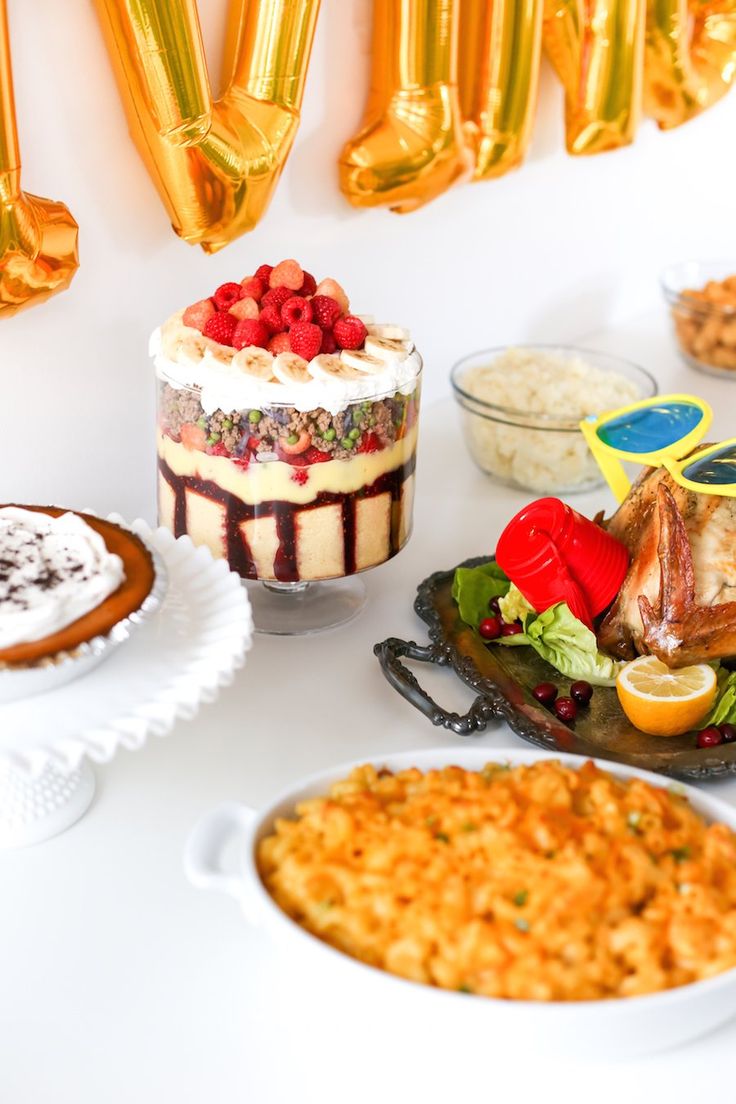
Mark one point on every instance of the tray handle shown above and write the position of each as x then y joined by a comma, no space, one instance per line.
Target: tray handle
390,653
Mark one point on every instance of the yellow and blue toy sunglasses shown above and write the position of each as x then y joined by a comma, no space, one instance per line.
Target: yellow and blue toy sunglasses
661,431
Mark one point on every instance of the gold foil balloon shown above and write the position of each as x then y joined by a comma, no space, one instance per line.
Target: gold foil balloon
38,237
597,48
410,147
500,48
215,163
690,57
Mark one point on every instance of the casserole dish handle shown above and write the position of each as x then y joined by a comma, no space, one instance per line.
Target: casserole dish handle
205,850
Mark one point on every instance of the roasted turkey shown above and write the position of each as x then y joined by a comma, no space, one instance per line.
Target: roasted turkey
678,600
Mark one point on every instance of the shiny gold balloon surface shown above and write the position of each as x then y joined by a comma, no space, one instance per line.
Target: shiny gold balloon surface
500,47
215,163
410,147
690,57
597,48
38,237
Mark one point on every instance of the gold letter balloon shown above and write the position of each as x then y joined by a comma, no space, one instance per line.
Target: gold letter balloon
38,237
215,163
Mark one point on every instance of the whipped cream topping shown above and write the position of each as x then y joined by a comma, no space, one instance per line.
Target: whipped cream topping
53,570
186,358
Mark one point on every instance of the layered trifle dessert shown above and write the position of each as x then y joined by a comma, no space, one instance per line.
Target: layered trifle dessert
287,428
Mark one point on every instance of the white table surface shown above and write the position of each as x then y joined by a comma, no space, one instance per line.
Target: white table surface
119,983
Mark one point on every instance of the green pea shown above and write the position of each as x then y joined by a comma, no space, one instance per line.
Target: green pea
213,438
202,422
371,421
366,405
292,439
254,417
354,434
227,423
347,443
330,434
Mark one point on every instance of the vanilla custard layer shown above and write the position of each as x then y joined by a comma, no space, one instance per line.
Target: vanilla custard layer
273,481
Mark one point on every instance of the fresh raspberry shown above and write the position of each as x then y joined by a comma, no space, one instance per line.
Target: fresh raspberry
218,450
305,339
333,289
371,442
198,314
193,437
255,287
309,285
325,311
350,333
220,327
329,345
226,295
271,317
279,343
301,475
251,331
296,309
263,272
316,456
287,274
244,308
276,297
242,462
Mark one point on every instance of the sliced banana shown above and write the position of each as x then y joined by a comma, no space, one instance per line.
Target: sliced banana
389,330
328,366
291,368
255,362
387,349
363,362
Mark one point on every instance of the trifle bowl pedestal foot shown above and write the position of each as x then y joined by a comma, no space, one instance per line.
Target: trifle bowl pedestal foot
34,808
295,609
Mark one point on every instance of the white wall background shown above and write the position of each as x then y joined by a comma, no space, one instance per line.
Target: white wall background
559,249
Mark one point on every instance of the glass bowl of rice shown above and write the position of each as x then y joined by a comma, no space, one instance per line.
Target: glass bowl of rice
521,407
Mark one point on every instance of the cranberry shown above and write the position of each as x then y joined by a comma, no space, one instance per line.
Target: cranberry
728,732
545,693
490,628
710,737
582,692
565,709
512,629
495,606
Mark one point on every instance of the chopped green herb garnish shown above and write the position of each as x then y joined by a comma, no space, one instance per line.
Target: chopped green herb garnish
431,820
632,821
521,898
521,924
442,837
464,988
680,854
468,826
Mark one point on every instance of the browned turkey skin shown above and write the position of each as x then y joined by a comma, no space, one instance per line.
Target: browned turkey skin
678,600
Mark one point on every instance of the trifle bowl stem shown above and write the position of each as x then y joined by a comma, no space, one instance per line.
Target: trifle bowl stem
294,609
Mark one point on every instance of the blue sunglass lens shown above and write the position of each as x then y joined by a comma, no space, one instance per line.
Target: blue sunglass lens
717,469
652,428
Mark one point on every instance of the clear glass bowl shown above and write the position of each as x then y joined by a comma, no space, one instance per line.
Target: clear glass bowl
705,324
290,499
538,452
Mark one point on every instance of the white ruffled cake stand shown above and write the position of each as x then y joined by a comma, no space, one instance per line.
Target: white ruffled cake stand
178,659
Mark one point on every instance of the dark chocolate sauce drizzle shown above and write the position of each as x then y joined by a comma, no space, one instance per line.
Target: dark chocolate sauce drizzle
286,516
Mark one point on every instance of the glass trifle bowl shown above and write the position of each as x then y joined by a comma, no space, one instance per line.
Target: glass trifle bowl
299,472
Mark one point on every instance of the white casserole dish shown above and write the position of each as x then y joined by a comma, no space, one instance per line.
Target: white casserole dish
598,1029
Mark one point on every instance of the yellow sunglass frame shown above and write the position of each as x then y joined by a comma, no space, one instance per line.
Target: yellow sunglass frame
609,457
675,468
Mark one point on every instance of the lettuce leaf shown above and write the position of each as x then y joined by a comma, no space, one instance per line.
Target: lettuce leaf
473,588
569,646
724,710
514,606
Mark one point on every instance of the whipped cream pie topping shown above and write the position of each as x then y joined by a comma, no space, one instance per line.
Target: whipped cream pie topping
53,570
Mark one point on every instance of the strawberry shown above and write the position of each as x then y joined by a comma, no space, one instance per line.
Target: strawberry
305,339
199,313
296,309
316,456
218,450
251,331
309,286
244,308
329,345
350,333
334,291
255,287
371,442
276,297
193,437
226,295
271,317
325,311
220,328
287,274
263,272
279,343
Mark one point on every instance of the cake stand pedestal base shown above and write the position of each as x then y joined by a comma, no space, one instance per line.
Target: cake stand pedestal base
33,808
293,609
